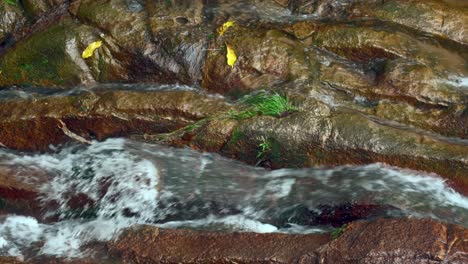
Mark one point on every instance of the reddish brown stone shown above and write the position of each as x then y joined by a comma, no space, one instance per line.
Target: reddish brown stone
34,125
19,197
153,245
398,241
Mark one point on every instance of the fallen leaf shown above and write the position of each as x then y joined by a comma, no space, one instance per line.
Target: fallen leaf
224,27
88,52
230,55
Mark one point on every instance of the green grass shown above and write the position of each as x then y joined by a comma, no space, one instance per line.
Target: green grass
236,135
194,126
240,115
338,231
11,2
271,105
263,104
264,147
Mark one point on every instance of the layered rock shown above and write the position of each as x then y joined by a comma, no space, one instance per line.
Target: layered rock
320,135
381,241
35,124
185,246
398,241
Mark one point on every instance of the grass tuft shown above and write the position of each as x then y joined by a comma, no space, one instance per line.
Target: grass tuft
264,147
11,2
271,105
263,104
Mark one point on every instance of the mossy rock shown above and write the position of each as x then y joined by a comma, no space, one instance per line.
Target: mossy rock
42,59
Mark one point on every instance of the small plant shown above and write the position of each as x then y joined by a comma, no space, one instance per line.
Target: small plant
263,104
194,126
272,105
240,115
338,231
265,147
11,2
236,135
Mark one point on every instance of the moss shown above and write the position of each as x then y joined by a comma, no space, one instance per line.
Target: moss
393,9
338,231
41,60
195,125
237,134
98,11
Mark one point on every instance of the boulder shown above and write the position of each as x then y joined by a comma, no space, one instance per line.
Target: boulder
327,136
35,124
147,244
398,241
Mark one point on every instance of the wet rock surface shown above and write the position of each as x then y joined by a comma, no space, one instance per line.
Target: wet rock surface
17,196
381,241
35,124
425,241
372,81
398,241
185,246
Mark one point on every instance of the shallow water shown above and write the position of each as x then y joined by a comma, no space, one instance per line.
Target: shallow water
128,182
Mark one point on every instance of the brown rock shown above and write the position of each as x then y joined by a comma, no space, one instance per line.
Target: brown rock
398,241
18,190
324,136
35,124
152,245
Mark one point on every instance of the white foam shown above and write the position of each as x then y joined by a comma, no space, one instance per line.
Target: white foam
457,81
17,232
132,186
246,198
235,222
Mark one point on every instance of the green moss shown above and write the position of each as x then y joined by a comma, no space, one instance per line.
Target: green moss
98,12
41,60
240,115
237,134
393,9
195,125
338,231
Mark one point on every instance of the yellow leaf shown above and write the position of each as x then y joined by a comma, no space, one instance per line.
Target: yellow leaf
88,52
230,55
224,27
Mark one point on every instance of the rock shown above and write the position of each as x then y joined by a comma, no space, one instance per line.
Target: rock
264,58
34,124
19,190
411,69
11,19
35,8
160,48
334,215
447,19
10,260
326,136
398,241
152,245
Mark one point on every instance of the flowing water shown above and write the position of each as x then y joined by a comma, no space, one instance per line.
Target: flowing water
90,193
123,182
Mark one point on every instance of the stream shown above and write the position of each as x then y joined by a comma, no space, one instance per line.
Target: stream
120,182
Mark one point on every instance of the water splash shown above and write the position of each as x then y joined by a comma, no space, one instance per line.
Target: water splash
93,192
